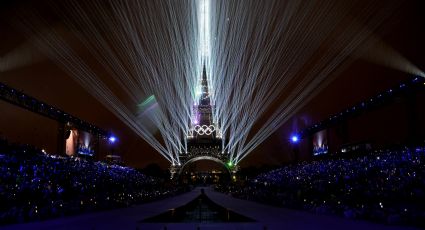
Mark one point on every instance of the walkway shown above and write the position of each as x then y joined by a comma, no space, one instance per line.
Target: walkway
267,217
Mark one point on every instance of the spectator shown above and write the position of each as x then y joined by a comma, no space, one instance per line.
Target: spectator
385,186
36,186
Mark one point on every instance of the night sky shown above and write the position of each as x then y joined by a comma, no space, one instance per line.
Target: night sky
40,77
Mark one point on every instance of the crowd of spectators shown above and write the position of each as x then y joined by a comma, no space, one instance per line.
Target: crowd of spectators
385,186
36,186
199,150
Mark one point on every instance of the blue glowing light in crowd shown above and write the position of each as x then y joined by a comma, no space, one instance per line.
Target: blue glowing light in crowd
112,139
295,138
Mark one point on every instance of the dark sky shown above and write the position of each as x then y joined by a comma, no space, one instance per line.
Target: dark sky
40,77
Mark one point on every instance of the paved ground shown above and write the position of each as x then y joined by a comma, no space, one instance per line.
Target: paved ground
267,217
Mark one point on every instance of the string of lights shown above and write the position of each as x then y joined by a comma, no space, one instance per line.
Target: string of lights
30,103
380,99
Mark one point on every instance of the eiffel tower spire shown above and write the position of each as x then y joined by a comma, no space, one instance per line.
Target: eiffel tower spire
205,96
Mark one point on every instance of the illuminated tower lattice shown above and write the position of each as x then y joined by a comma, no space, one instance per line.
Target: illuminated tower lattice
204,135
203,126
204,138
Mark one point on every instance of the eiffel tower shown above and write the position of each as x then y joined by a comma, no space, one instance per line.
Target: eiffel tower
204,140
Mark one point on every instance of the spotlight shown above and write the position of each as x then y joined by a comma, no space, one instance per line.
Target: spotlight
229,164
295,138
112,139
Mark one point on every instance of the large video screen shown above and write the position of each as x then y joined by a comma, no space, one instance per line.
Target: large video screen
71,142
85,144
320,143
79,143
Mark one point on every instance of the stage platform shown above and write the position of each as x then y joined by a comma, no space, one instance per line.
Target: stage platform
266,217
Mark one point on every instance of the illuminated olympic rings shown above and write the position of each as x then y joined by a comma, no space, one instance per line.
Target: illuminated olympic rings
204,129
